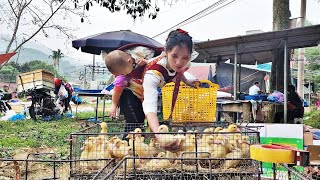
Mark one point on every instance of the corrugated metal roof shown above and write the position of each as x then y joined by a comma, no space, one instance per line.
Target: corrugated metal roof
256,48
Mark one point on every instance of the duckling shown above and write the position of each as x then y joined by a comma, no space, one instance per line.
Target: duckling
111,145
236,154
189,144
88,153
130,161
121,149
244,146
144,150
168,138
219,149
206,146
231,128
158,163
104,129
218,129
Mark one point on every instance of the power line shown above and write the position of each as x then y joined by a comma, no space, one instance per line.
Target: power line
187,5
197,16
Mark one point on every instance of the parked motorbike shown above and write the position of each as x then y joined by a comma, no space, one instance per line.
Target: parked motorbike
42,102
4,105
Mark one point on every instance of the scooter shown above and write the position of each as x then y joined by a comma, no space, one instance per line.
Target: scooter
42,102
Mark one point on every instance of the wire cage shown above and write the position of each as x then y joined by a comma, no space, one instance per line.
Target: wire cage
125,169
91,143
199,150
289,171
44,166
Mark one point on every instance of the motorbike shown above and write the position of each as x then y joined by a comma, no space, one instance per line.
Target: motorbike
4,105
42,102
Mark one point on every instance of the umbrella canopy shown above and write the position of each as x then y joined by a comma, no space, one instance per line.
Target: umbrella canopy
109,41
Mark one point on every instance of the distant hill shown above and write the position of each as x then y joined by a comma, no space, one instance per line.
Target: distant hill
32,51
69,67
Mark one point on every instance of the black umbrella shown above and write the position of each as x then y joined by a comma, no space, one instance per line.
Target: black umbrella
109,41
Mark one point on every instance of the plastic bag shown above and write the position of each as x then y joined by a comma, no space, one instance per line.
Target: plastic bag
276,96
63,93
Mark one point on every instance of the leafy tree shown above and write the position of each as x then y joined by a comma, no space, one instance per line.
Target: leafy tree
133,8
8,73
312,55
37,64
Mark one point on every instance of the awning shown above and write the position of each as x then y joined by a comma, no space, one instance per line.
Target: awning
256,48
5,57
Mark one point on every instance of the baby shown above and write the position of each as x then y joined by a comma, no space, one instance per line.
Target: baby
119,62
128,67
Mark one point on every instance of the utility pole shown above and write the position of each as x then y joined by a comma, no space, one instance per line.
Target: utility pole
301,58
85,77
93,65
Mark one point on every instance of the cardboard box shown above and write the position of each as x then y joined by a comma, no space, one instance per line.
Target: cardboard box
307,139
314,155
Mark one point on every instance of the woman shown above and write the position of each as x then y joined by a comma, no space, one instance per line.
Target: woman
164,69
295,104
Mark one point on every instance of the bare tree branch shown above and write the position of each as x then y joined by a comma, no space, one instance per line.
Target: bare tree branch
35,14
11,6
39,29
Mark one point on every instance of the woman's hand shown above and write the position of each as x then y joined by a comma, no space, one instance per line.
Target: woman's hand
172,146
113,110
141,62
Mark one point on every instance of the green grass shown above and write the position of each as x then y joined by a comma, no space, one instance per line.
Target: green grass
87,115
312,118
53,134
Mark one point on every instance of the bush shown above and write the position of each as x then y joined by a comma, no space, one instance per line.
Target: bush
313,119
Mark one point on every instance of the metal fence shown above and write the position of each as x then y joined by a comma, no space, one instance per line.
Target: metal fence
45,166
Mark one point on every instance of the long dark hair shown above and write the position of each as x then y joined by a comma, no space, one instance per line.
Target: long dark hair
179,37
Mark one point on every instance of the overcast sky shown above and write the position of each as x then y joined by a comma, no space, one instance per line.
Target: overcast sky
235,19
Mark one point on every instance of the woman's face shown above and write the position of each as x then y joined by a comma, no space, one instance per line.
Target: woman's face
178,57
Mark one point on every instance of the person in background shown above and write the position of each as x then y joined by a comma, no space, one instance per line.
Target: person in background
64,100
255,89
295,105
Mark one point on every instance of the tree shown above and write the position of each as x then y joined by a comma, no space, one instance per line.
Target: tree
312,55
56,56
281,21
134,8
37,16
24,19
8,73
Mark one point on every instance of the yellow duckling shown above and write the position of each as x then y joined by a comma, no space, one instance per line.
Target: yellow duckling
231,128
104,130
158,163
168,138
121,149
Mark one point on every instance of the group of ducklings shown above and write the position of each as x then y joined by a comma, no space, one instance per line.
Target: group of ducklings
215,143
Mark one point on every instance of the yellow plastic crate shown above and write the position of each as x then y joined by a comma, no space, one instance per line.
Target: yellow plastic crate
193,104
